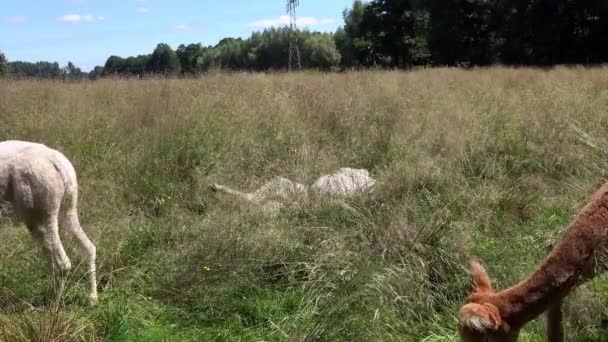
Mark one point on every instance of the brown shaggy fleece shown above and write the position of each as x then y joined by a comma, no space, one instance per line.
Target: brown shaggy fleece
499,316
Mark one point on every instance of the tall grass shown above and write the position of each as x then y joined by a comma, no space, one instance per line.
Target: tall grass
491,163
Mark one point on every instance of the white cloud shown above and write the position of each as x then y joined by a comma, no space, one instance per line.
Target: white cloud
70,18
188,28
16,20
284,21
142,10
184,27
76,18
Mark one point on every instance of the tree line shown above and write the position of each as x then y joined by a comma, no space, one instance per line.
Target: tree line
21,69
388,33
405,33
266,50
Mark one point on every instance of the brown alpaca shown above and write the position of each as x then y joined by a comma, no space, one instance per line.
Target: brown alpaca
499,316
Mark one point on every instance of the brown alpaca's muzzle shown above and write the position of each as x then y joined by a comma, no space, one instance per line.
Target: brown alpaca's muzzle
483,318
480,319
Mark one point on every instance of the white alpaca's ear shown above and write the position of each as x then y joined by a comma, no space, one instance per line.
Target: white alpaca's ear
480,278
482,318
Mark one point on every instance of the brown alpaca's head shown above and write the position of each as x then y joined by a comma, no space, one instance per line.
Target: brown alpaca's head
479,320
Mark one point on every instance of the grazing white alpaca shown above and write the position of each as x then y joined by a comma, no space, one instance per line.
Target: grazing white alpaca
41,184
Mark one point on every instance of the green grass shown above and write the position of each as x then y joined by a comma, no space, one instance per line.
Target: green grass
488,163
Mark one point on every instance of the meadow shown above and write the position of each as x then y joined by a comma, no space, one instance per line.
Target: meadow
484,163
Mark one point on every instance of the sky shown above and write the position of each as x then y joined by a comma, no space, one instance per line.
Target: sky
87,32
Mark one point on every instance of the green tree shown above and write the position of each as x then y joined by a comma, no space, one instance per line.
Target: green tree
354,47
270,49
114,65
397,31
206,60
163,61
4,67
72,72
96,73
188,57
232,54
464,32
544,32
135,65
38,69
320,51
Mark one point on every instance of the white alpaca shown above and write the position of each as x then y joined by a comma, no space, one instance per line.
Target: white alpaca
345,182
271,196
278,188
41,184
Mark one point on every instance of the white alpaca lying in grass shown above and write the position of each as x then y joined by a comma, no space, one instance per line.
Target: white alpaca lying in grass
278,188
345,182
271,196
41,185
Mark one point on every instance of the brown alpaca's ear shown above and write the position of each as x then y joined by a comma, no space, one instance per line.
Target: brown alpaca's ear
478,318
480,278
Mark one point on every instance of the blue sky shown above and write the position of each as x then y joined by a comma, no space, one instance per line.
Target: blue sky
86,32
